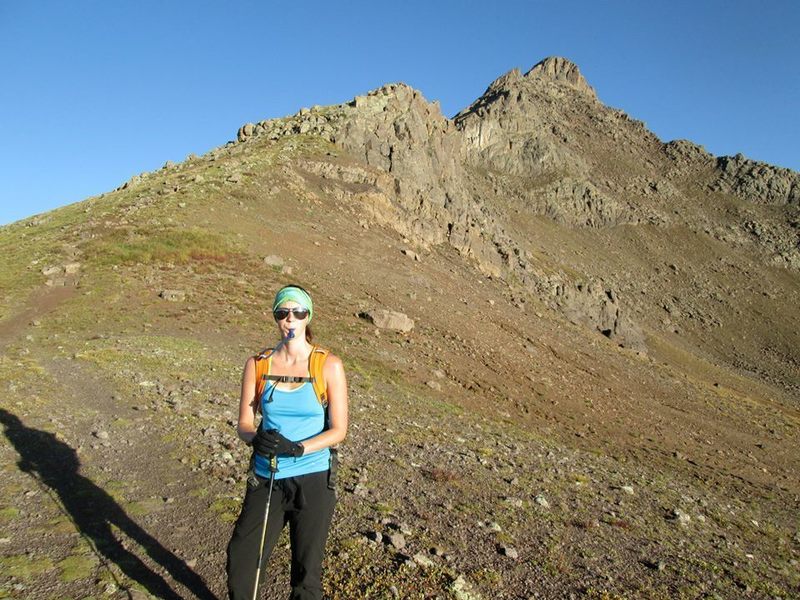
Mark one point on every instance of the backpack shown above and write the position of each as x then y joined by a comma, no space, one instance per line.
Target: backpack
316,362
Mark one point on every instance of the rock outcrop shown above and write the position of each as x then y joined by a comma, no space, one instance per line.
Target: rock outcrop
598,307
556,68
542,139
757,181
431,165
685,153
579,202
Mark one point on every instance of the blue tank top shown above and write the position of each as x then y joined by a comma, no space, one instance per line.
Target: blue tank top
297,415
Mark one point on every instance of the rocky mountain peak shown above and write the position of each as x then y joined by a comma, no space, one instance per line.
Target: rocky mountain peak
542,143
557,68
505,81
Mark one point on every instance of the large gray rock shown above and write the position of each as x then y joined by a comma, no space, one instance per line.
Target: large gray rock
273,260
173,295
245,131
397,540
51,270
596,306
462,589
389,319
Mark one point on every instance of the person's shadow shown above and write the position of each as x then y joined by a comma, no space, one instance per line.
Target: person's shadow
94,511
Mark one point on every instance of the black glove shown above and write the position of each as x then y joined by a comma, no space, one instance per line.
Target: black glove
272,443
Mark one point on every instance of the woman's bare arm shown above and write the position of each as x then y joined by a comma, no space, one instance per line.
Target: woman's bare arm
336,383
248,403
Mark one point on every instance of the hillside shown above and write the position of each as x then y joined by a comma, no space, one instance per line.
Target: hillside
598,399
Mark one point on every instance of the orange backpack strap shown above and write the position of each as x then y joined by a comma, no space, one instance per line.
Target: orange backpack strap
262,369
316,364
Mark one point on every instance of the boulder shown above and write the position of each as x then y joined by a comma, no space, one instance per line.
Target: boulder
173,295
594,305
245,131
389,319
462,590
273,260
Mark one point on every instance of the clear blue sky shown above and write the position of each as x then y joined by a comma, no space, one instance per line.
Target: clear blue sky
95,91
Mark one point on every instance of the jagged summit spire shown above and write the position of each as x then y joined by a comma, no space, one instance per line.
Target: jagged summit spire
557,68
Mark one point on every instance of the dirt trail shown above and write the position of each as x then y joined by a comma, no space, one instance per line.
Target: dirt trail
40,302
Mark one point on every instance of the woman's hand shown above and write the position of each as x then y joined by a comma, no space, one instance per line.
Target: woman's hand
272,443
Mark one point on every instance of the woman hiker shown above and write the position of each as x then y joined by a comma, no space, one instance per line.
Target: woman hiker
301,420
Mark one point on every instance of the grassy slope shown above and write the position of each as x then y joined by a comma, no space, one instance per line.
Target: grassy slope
528,406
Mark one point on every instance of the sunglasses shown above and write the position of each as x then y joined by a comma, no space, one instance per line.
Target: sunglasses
281,313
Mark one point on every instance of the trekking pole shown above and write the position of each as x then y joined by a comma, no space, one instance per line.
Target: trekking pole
273,468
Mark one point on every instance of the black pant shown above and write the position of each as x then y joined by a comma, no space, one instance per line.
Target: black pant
306,503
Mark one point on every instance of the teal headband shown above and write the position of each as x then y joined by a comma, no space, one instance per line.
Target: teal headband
294,294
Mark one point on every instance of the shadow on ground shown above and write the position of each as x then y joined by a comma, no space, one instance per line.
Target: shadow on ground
95,512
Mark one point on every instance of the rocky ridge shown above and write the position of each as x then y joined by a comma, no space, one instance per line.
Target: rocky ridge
532,138
434,178
757,181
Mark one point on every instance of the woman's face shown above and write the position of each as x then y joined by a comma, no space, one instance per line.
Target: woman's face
290,320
